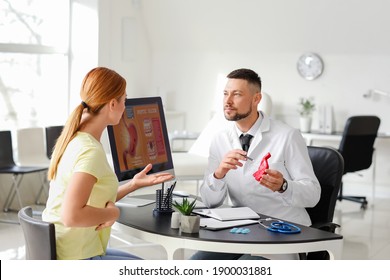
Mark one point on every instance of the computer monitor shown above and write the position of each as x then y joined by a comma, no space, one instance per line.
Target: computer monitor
141,137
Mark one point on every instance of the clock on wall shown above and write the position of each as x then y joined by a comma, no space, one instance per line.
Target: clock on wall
310,66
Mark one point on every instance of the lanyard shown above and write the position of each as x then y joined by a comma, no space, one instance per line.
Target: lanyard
280,226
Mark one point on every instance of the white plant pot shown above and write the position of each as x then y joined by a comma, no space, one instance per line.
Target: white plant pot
305,124
189,224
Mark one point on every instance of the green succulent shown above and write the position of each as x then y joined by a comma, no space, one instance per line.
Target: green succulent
186,207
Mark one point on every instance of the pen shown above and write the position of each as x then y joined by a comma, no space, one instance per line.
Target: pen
251,159
160,198
171,189
166,198
169,193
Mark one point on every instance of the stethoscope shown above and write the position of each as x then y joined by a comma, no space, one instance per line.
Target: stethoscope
280,226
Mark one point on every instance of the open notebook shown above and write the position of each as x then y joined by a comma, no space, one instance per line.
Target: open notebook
229,214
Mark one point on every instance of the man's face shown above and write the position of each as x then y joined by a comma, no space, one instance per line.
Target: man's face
238,100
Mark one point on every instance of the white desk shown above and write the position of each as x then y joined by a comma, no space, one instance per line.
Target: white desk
310,137
189,166
181,135
335,137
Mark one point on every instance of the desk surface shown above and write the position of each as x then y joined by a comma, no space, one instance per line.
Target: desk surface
156,228
183,135
339,134
310,137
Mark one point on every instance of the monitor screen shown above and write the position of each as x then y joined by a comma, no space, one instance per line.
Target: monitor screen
140,138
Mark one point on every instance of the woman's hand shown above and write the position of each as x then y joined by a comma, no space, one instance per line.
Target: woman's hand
142,179
112,205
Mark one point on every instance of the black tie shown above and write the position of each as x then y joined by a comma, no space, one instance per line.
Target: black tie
245,141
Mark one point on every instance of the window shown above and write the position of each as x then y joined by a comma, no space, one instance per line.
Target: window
34,62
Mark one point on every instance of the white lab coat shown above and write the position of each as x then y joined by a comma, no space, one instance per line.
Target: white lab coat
289,155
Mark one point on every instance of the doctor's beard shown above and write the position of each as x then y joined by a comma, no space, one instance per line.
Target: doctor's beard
239,116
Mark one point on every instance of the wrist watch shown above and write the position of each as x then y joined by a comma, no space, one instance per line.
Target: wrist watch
284,186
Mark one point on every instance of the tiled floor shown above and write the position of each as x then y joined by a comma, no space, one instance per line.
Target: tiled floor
366,232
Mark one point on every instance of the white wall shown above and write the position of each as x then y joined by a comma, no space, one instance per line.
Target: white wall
124,43
183,45
193,41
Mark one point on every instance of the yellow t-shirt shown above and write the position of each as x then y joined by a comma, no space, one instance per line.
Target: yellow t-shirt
83,154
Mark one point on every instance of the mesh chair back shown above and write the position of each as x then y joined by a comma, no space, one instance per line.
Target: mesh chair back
357,143
328,167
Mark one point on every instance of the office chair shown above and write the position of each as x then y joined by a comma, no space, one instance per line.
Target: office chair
32,152
31,147
39,236
328,166
52,133
8,166
357,149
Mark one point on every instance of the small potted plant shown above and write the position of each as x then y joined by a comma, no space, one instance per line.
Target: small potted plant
189,223
306,109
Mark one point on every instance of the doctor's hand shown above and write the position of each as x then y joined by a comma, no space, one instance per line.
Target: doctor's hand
232,160
272,179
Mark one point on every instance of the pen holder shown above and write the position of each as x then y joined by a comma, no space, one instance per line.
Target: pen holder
163,203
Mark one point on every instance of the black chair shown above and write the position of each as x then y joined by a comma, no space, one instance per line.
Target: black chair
328,165
52,133
8,166
39,236
357,148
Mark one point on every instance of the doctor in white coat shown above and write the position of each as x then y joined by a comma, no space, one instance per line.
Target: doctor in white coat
289,184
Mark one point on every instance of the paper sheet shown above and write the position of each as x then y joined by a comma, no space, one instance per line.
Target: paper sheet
134,202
